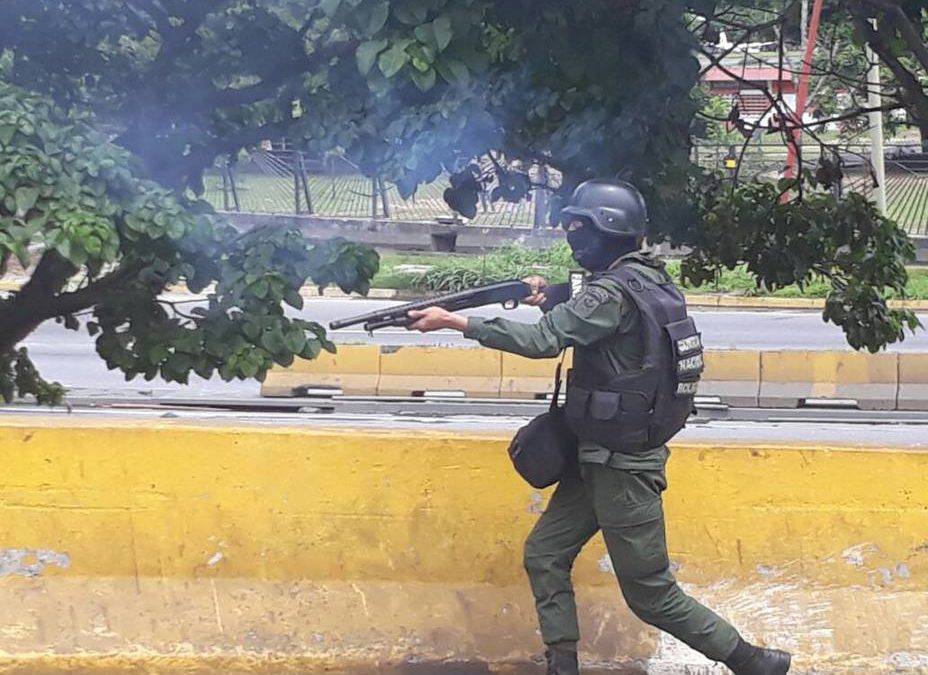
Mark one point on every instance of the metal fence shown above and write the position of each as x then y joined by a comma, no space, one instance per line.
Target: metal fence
906,174
285,181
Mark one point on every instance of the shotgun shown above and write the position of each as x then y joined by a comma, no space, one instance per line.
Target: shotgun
507,293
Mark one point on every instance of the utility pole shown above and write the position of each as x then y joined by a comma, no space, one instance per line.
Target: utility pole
875,118
792,158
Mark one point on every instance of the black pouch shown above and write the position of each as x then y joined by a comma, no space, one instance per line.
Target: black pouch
545,448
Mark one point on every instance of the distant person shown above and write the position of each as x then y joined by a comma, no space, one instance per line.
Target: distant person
616,486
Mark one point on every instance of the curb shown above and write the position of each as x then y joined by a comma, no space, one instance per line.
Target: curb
761,302
721,301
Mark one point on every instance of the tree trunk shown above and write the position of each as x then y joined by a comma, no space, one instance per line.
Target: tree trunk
34,302
16,328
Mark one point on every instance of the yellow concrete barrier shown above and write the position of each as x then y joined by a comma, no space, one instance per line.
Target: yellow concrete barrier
530,378
752,302
789,378
733,376
406,371
354,369
741,378
171,548
913,382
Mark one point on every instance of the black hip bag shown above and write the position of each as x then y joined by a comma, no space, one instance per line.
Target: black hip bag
545,448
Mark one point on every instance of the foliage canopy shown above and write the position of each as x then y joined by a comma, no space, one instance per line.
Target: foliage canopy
120,240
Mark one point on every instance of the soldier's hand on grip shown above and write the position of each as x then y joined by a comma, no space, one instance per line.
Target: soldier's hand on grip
538,297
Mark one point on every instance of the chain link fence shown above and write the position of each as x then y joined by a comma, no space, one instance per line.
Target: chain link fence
286,181
906,173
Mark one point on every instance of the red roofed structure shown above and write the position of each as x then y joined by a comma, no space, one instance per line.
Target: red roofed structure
747,85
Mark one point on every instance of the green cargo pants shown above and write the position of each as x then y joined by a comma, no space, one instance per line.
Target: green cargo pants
627,507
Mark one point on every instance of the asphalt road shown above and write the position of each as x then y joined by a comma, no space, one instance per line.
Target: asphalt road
835,432
69,357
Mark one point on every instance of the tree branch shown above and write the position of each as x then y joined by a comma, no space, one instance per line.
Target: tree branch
31,305
177,37
913,39
87,297
912,90
226,98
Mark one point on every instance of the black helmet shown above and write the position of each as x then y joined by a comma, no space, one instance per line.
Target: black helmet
614,207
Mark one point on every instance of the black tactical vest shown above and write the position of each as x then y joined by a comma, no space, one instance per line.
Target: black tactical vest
639,409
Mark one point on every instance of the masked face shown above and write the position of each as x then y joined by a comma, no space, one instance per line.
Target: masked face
591,249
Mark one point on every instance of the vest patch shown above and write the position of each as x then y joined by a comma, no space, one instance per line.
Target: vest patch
687,388
588,301
693,364
577,283
689,344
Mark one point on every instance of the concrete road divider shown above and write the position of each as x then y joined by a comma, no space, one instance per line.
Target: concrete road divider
164,547
733,376
913,382
530,378
415,370
738,378
355,370
788,379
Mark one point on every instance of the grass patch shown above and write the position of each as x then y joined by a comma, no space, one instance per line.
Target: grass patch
453,272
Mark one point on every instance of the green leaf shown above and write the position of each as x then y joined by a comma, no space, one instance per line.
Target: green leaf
295,341
330,6
426,34
21,251
273,340
176,228
7,131
379,15
25,198
441,27
311,350
293,298
410,12
393,60
460,70
424,80
423,56
366,54
78,255
260,288
64,248
453,71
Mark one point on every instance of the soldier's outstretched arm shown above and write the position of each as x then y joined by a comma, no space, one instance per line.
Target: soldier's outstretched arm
592,315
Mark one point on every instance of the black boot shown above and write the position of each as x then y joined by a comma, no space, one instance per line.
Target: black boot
561,661
750,660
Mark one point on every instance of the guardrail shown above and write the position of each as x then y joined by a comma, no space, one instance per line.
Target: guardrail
774,379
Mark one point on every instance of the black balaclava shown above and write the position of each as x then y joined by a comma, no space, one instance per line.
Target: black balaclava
595,251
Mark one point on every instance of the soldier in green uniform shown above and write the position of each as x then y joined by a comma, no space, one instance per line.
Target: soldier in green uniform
617,493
